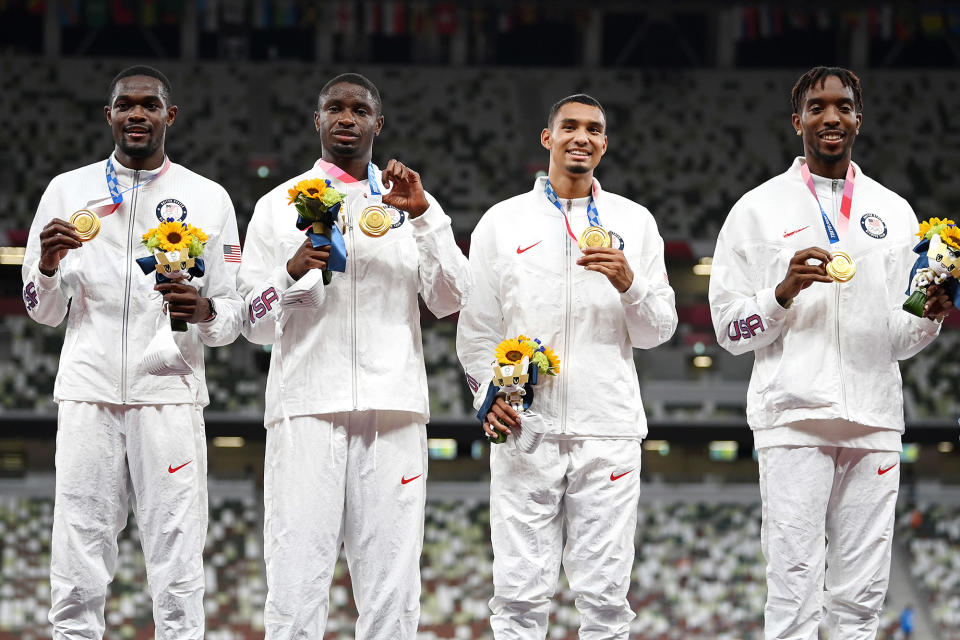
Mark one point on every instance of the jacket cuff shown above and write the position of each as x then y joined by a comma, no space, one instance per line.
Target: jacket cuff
636,292
48,283
430,220
767,301
307,292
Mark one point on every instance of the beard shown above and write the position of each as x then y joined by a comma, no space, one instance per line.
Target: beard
578,168
141,150
833,158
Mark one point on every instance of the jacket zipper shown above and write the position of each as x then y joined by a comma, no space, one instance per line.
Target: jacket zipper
567,286
351,266
126,292
843,391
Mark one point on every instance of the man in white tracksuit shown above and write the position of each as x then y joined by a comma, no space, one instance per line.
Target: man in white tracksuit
346,399
825,399
122,433
592,307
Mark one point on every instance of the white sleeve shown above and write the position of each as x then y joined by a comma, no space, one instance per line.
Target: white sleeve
46,297
745,317
263,278
444,271
481,324
220,283
649,302
908,333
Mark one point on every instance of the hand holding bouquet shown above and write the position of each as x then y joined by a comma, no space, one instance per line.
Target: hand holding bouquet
176,248
938,264
514,379
318,206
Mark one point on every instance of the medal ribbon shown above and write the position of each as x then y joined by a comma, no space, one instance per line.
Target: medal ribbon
846,204
103,208
593,216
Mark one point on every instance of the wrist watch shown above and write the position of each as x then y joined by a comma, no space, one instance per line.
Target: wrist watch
213,311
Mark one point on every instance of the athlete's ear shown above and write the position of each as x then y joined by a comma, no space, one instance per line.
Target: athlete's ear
545,140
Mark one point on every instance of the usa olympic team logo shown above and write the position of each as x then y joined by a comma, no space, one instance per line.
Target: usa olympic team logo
171,210
873,226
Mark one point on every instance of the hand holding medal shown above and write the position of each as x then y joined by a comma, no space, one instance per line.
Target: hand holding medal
56,239
406,194
801,274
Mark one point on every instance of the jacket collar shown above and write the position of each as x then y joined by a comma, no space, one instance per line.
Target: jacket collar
125,175
541,181
794,170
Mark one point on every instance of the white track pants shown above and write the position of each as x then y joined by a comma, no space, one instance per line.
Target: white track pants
356,478
106,455
590,490
828,515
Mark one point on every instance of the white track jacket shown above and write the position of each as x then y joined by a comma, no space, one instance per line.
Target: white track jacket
526,281
833,354
355,343
110,305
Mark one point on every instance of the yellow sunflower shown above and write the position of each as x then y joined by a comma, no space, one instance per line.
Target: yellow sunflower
310,188
554,361
197,233
511,351
173,236
928,226
951,235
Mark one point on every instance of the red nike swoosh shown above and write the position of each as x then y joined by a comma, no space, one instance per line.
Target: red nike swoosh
519,250
787,235
613,477
173,469
881,470
405,480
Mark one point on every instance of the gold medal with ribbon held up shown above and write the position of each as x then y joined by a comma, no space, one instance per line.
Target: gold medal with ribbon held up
842,267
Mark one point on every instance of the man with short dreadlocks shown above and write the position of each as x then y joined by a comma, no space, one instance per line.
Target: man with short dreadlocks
809,274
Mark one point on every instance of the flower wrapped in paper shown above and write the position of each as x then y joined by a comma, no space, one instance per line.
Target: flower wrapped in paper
176,248
514,379
318,206
938,264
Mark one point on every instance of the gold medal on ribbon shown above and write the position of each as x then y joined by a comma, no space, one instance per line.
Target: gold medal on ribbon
375,221
842,268
594,237
87,224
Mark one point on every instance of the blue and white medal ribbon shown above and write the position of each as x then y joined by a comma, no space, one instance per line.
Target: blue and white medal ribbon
594,235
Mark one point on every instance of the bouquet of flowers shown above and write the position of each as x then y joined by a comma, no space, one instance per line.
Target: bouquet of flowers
938,264
514,378
318,205
176,248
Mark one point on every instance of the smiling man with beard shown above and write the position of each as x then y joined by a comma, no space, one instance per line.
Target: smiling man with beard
808,274
346,399
123,433
582,269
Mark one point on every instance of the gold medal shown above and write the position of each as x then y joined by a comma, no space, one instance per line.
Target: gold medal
375,221
594,237
87,224
842,268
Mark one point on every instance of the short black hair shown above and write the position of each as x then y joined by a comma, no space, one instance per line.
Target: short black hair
818,76
143,70
357,79
580,98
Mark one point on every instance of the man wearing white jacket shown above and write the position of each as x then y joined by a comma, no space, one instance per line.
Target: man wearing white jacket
825,399
123,433
346,401
592,307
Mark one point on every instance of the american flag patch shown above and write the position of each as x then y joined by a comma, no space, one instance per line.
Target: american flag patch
474,385
231,253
